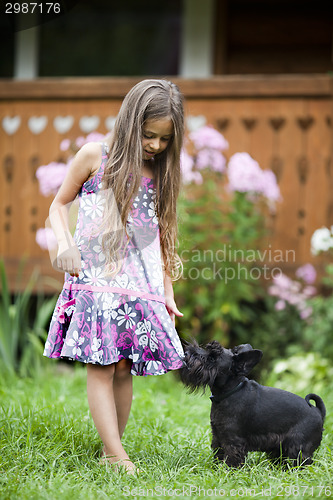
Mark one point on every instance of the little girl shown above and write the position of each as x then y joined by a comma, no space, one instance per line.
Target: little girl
116,311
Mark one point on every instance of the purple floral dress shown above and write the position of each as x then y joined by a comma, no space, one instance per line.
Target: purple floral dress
102,319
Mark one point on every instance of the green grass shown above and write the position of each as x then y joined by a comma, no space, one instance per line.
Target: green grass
50,448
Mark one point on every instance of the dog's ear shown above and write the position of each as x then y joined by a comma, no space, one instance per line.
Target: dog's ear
245,361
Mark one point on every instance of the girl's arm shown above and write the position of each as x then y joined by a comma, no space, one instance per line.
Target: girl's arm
169,298
85,163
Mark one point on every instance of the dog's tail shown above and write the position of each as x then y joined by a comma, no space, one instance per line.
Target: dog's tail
319,403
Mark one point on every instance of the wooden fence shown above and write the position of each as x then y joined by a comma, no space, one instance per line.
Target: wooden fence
284,122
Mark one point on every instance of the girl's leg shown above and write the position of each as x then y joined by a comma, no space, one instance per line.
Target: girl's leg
123,392
101,399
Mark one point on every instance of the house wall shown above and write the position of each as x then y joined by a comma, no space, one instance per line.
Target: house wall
273,37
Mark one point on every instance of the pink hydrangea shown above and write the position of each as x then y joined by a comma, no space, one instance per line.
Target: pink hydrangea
92,137
208,137
244,173
282,281
210,158
188,174
46,239
95,137
306,312
280,305
270,188
309,291
50,177
307,273
65,145
246,176
288,291
80,141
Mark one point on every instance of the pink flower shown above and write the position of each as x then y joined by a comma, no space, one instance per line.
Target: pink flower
246,176
244,173
46,239
189,175
280,305
306,313
92,137
307,273
294,299
65,145
289,291
79,141
282,281
270,188
310,291
50,177
210,158
95,137
208,137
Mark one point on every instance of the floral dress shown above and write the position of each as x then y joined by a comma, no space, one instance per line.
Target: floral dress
103,319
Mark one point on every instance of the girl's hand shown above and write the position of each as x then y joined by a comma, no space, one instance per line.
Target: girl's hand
69,259
172,309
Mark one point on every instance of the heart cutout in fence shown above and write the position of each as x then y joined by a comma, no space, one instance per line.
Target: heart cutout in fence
89,123
11,124
109,122
63,124
195,122
37,124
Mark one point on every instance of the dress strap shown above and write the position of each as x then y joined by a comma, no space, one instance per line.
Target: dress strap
92,183
105,156
105,150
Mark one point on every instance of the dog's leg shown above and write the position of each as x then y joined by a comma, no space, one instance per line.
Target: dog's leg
218,455
299,454
302,459
232,453
233,456
276,456
218,452
227,454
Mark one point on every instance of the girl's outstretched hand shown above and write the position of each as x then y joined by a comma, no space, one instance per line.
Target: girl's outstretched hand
172,309
69,260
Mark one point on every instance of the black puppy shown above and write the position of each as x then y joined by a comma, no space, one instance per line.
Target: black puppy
246,416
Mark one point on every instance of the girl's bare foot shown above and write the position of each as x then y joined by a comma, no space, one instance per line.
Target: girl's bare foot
126,464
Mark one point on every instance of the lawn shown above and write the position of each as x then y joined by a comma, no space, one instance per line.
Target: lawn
50,448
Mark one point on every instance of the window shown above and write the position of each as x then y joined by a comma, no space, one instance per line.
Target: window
113,38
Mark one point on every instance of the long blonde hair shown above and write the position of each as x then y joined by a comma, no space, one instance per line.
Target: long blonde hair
148,100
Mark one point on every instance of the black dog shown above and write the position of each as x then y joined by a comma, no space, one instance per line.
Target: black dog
246,416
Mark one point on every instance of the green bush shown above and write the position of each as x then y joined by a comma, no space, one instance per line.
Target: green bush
22,338
318,333
223,224
278,334
284,333
217,232
303,373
